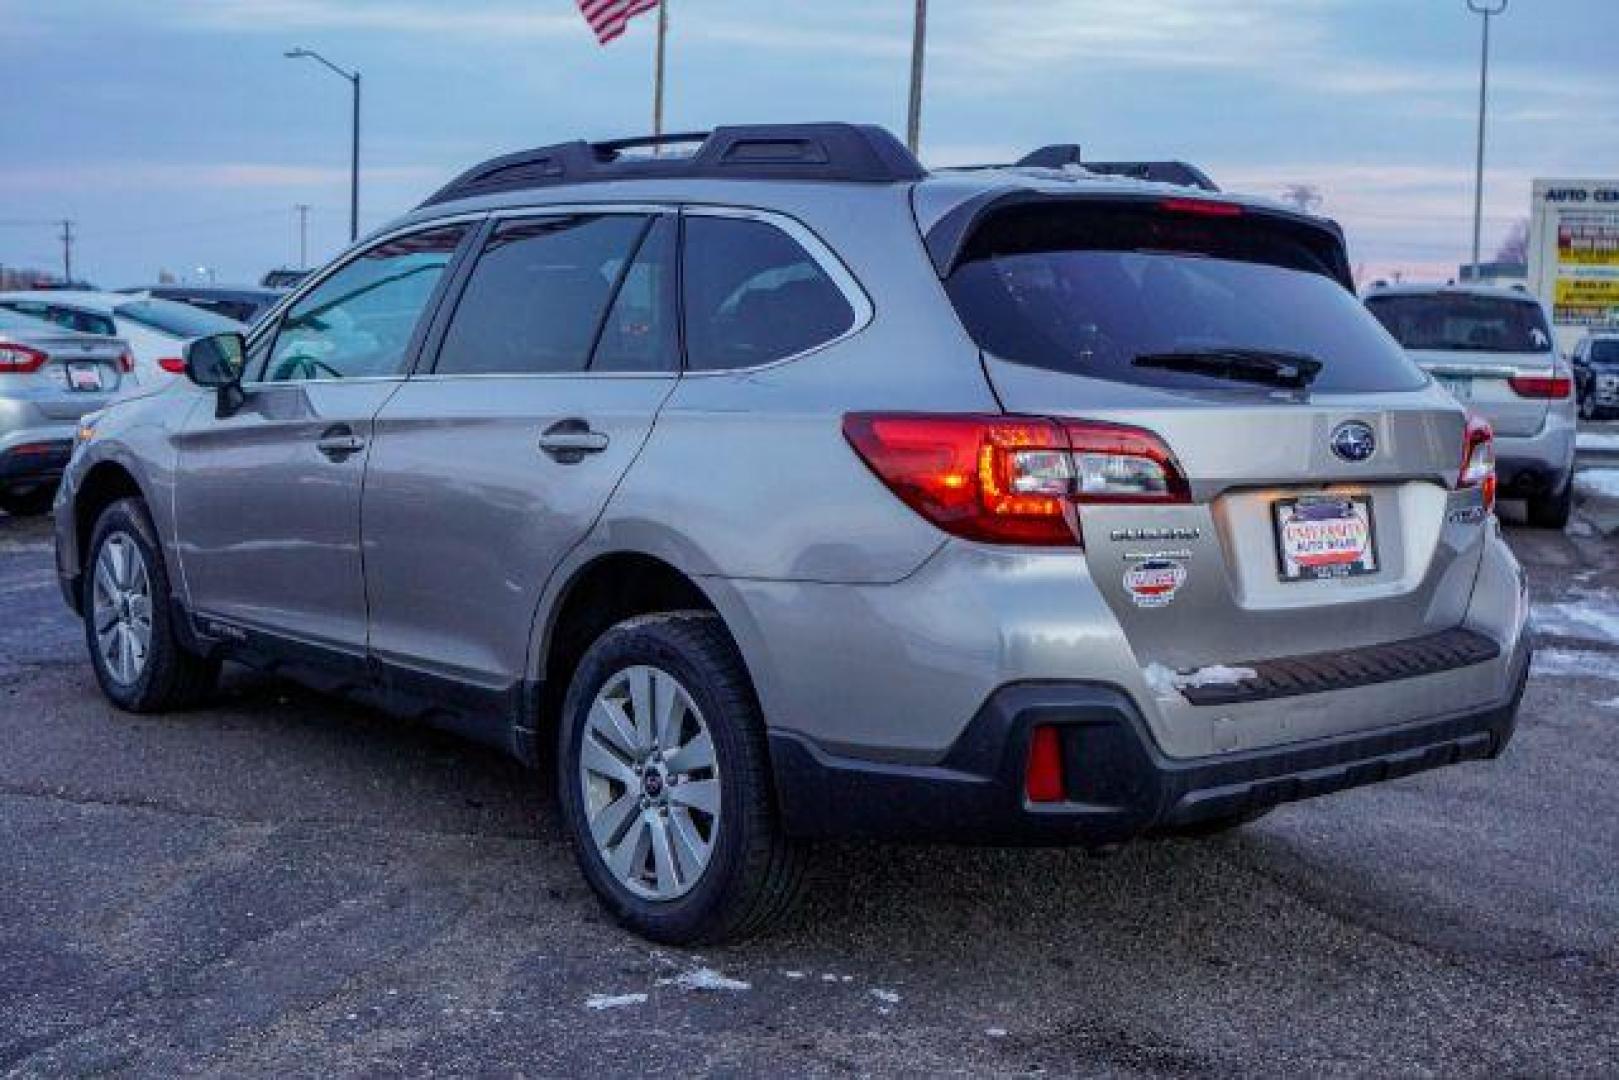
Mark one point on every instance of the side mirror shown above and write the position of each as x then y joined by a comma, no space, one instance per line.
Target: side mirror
216,362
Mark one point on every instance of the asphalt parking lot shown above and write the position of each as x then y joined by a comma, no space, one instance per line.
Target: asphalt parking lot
283,885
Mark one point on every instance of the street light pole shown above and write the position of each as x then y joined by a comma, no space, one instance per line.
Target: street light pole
1489,9
353,157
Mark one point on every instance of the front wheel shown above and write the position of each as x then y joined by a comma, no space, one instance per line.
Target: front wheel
128,623
665,784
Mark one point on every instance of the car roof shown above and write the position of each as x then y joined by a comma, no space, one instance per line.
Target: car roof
102,302
1497,292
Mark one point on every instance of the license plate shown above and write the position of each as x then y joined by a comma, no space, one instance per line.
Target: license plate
1460,386
84,376
1325,536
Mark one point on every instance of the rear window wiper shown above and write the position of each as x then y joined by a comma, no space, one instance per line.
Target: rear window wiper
1270,366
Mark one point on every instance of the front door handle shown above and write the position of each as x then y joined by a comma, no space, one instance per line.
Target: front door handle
339,442
568,441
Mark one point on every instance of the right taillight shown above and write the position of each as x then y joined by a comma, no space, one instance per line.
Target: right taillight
1542,386
1012,479
20,359
1478,460
173,365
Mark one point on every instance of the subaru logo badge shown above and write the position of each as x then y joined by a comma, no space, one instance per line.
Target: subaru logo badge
1354,441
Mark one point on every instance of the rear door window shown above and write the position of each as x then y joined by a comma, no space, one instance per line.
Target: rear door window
1109,291
753,295
539,294
1458,322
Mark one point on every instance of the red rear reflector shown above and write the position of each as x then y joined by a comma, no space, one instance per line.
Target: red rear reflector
1542,386
20,359
1201,207
173,365
1043,779
126,362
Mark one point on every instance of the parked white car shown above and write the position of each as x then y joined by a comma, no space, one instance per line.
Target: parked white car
156,330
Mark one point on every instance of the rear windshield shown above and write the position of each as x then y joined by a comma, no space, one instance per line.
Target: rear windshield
1605,352
175,319
1456,321
1091,289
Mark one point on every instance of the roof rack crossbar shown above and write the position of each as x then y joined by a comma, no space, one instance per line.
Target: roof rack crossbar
847,153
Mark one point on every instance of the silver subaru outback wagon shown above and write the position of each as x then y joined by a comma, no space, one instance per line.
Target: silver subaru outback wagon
781,489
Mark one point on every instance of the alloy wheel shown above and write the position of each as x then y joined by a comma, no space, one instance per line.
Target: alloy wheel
121,606
651,783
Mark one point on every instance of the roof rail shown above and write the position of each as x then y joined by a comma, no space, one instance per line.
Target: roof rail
1058,155
847,153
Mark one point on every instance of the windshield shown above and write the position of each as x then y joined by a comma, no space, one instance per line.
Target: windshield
1463,323
1110,292
1605,352
174,319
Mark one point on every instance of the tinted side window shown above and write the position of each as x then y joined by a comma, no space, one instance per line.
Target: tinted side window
537,296
358,322
753,295
640,333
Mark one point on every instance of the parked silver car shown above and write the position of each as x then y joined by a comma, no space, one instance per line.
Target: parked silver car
49,378
1493,349
785,490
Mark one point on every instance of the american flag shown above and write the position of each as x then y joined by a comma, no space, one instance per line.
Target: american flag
607,17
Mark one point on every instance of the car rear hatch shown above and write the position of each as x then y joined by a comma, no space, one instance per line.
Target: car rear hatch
1493,353
1317,510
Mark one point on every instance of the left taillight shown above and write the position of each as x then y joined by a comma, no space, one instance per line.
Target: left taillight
20,359
1012,479
173,365
1542,386
1478,460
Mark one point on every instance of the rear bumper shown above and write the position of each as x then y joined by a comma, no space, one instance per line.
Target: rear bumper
1119,784
1539,464
34,461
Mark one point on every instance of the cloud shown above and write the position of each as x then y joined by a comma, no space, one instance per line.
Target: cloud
483,19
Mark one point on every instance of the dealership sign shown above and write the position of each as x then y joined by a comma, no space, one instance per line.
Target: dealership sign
1574,252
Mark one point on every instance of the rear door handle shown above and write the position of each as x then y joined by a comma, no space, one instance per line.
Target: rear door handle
339,442
568,441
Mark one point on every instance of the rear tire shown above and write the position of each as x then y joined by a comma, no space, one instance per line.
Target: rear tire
633,799
29,503
1553,511
128,622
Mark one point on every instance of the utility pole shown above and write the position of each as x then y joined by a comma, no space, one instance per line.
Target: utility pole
303,235
919,35
1489,9
67,251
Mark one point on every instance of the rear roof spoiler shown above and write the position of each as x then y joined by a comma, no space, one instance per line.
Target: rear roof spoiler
948,238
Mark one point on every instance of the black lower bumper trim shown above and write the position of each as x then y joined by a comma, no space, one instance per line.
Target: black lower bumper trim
1340,669
1119,785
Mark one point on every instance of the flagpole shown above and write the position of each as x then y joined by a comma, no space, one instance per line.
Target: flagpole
657,70
913,125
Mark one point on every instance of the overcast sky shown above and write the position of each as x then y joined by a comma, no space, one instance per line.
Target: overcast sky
176,135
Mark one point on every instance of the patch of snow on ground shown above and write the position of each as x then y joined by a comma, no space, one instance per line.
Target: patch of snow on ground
1597,440
614,1001
793,974
995,1033
1575,663
1597,483
705,979
1611,703
1589,618
889,996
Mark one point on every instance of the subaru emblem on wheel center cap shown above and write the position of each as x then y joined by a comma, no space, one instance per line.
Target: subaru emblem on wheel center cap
1353,441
